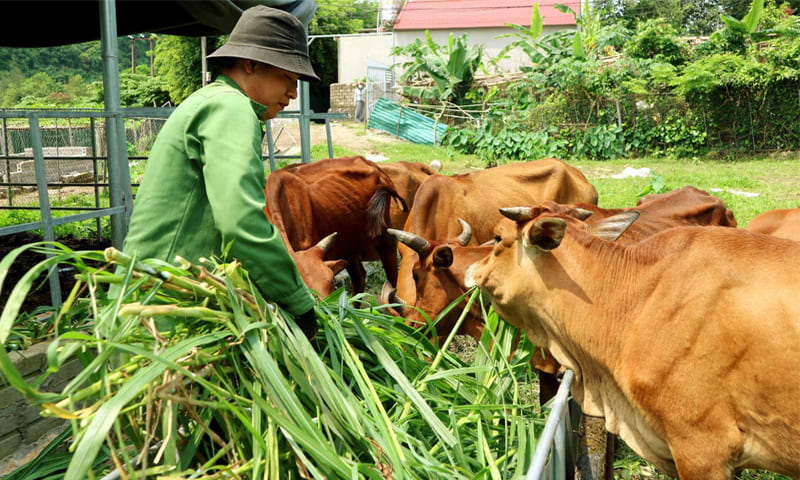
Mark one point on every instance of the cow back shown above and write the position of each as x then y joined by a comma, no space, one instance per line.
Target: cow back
680,207
477,197
782,223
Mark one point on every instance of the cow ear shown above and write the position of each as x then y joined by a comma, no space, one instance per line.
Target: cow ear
336,266
612,227
443,256
547,233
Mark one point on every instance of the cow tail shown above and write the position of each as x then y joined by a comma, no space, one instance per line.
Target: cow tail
378,211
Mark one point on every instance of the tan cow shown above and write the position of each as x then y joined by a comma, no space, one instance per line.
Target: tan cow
687,343
439,274
782,222
475,198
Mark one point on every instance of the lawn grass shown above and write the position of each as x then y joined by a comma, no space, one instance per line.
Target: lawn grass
774,179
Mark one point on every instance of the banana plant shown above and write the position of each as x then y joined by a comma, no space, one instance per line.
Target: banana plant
749,23
452,67
590,37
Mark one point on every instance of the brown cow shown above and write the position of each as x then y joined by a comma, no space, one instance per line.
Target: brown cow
687,343
349,196
782,223
318,273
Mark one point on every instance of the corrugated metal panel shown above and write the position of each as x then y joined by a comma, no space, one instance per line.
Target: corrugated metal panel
405,123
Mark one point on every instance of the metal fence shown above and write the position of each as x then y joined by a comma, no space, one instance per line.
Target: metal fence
54,167
550,460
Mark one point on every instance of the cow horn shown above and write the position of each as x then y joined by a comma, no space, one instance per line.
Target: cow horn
519,214
326,243
466,232
582,213
419,244
393,298
389,295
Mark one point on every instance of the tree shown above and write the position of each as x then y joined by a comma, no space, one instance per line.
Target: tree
334,17
178,62
700,17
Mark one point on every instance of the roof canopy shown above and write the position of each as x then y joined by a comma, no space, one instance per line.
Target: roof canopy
46,23
450,14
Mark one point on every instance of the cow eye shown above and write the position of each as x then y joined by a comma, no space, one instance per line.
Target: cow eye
497,239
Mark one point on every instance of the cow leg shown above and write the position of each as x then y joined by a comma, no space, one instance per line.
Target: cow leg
387,251
548,386
702,471
358,276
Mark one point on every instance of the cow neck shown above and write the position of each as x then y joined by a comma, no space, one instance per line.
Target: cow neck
590,295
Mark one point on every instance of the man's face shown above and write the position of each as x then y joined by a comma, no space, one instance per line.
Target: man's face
273,88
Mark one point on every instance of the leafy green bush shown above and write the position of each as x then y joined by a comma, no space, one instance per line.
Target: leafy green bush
658,40
601,142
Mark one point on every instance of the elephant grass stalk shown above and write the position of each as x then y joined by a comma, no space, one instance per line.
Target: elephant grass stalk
189,373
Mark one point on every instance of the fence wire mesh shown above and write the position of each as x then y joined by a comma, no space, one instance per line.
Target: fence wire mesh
75,157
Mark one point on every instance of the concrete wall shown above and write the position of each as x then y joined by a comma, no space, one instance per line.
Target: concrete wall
23,431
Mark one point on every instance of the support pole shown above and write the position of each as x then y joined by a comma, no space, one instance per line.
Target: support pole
203,62
305,122
119,181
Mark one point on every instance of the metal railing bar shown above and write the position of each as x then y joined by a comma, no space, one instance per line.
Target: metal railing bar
52,208
26,227
553,423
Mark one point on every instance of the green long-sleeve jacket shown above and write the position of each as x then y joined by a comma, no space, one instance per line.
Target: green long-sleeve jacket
204,188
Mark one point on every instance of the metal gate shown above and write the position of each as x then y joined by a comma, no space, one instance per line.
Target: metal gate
380,83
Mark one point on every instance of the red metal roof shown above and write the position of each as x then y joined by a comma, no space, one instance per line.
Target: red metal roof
449,14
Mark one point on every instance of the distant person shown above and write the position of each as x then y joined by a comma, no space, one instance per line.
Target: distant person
359,95
203,188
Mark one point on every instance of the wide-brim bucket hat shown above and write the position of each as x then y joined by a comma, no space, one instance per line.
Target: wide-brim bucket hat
272,36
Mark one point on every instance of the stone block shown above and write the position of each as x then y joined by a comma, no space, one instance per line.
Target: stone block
9,444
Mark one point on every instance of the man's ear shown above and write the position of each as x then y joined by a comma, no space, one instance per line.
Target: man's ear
547,233
613,227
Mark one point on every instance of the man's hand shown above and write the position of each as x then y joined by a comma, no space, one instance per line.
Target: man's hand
308,323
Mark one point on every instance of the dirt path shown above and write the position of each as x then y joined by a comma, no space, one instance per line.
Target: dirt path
351,135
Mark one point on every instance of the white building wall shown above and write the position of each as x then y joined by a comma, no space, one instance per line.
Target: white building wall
488,37
356,51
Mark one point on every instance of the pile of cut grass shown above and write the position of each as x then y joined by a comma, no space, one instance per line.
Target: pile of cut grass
189,373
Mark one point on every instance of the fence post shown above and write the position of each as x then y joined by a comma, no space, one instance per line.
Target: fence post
595,448
549,433
44,203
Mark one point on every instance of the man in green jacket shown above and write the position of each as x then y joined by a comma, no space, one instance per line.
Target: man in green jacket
203,188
